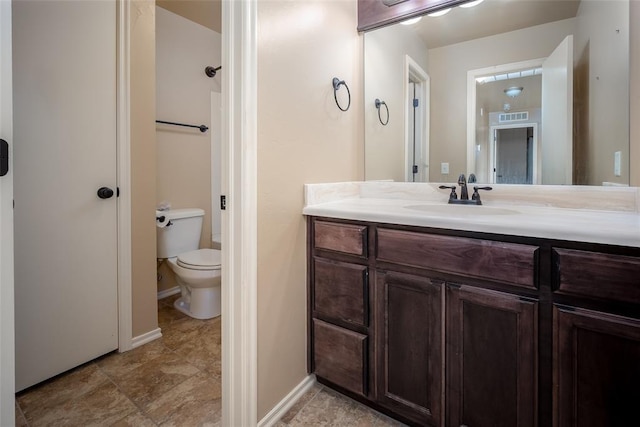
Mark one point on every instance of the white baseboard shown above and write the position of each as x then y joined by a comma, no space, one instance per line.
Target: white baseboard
289,400
169,292
145,338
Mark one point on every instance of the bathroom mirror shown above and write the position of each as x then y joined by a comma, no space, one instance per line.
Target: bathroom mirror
514,91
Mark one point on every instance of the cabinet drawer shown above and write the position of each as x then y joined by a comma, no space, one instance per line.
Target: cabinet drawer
340,356
340,291
505,262
597,275
349,239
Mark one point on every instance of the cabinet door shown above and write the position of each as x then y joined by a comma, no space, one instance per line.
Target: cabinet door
409,347
596,369
491,358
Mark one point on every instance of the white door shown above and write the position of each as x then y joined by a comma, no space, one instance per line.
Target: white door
64,80
557,115
7,388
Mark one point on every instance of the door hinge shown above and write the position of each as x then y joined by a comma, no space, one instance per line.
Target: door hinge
4,157
223,203
415,168
415,103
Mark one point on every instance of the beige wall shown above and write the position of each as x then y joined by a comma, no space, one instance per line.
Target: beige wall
601,49
143,167
635,94
302,138
448,68
183,94
385,51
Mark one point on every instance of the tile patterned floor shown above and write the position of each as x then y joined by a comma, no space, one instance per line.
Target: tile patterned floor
173,381
324,407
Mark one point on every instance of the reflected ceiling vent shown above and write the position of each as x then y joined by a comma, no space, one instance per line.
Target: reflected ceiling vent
392,2
513,117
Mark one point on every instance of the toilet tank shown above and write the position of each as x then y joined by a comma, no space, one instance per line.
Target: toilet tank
182,234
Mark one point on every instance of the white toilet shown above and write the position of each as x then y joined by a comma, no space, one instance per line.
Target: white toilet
197,270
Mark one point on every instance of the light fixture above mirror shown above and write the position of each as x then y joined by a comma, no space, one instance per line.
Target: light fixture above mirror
392,2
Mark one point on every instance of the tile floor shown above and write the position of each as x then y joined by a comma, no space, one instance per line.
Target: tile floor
173,381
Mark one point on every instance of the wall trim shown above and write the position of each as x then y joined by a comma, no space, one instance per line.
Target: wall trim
145,338
240,219
169,292
287,403
123,148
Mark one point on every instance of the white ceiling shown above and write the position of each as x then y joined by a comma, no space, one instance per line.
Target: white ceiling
491,17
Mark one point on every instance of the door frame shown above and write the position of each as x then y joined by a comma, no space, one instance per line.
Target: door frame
123,174
240,219
413,72
535,173
472,75
7,323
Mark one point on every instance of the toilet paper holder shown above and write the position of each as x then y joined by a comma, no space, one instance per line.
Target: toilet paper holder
161,221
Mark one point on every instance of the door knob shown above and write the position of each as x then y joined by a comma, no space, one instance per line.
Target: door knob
105,193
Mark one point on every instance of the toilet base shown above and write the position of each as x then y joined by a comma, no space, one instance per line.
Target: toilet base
199,303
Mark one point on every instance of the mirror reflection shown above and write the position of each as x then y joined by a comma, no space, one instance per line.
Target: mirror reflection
514,91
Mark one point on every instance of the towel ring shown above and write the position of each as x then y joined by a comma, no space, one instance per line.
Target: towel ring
378,104
336,85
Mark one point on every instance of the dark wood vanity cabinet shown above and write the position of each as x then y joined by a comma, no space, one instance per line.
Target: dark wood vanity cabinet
492,358
442,327
339,337
409,346
596,353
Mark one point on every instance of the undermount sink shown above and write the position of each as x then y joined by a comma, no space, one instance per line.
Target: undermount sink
462,210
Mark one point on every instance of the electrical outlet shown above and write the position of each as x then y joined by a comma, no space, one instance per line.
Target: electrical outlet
444,168
617,160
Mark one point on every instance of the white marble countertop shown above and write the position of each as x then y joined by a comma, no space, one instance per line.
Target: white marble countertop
611,215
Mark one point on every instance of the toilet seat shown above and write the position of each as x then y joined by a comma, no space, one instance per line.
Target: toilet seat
200,259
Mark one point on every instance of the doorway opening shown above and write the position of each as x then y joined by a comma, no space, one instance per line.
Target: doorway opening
416,122
514,154
482,165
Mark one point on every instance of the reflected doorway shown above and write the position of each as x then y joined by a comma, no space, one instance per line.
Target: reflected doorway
514,155
416,122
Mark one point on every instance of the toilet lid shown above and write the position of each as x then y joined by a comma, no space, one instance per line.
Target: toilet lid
201,259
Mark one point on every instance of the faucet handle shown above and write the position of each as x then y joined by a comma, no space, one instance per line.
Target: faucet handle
476,196
453,195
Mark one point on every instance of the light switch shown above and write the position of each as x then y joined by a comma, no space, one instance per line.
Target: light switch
444,168
617,160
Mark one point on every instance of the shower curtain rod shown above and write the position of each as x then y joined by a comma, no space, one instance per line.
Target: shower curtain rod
202,128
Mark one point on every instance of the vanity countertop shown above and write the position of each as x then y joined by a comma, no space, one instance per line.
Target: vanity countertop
583,214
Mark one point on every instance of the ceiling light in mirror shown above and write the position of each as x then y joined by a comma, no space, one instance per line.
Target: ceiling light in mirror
439,13
412,20
472,3
513,91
